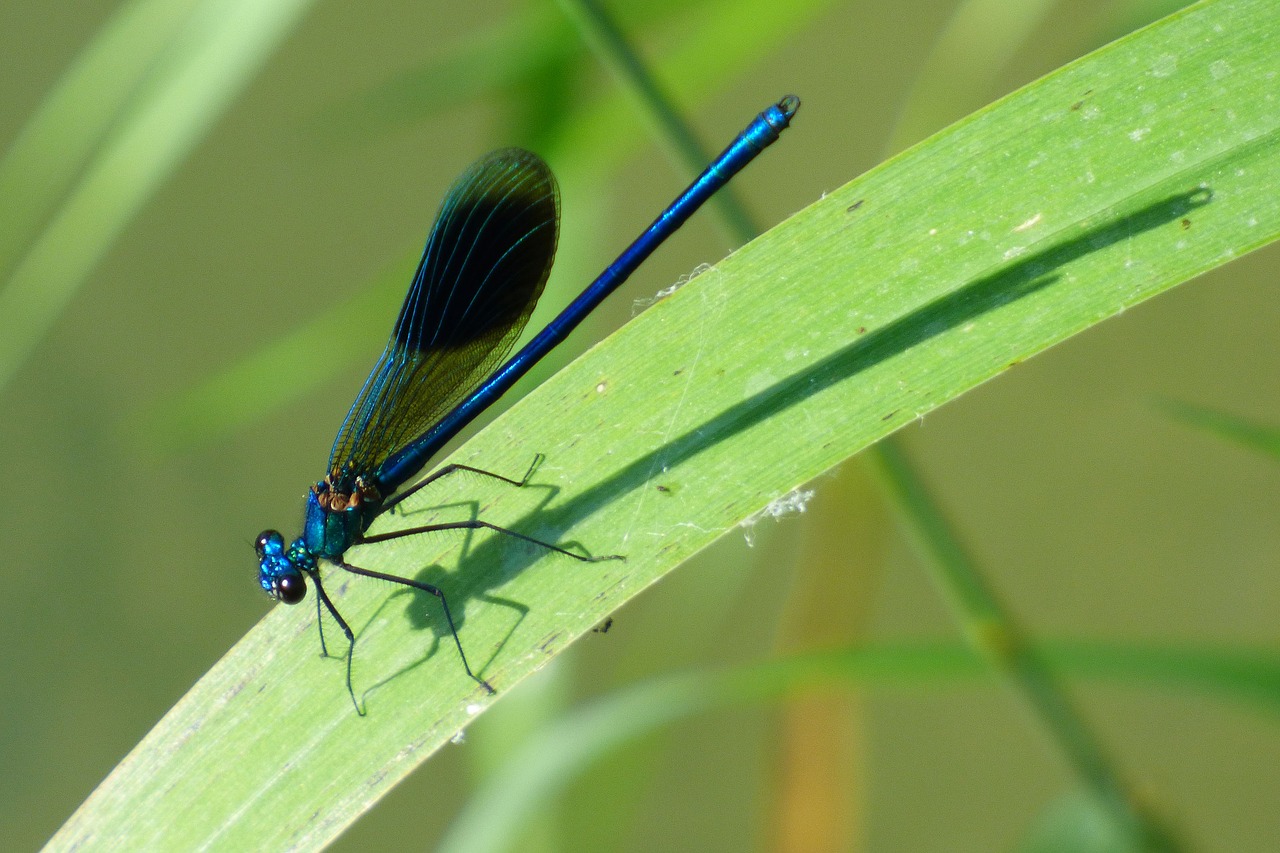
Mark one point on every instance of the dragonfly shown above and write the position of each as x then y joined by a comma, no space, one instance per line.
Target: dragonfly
486,261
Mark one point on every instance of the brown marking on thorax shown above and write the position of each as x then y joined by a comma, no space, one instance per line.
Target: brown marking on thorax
329,497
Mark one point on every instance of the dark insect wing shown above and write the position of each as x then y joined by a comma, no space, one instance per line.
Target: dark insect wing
485,264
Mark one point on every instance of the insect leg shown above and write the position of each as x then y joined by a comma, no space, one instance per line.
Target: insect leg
321,595
453,468
433,590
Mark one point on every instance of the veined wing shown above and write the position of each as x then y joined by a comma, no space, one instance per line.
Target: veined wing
484,266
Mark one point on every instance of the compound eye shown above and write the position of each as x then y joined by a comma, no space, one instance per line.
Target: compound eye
264,539
290,588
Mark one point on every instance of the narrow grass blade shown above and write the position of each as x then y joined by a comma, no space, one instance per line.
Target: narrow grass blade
552,757
160,113
69,126
1241,431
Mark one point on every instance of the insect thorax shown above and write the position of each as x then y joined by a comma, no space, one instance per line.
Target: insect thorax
336,518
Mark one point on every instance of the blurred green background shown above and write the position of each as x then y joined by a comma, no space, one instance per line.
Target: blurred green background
127,538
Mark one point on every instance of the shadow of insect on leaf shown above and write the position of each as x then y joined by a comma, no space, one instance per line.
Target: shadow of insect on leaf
423,612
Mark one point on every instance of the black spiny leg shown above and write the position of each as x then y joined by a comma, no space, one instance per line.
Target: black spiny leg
453,468
477,524
324,650
474,524
321,595
425,587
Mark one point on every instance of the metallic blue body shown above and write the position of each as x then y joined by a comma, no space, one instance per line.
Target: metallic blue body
329,533
484,266
276,562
